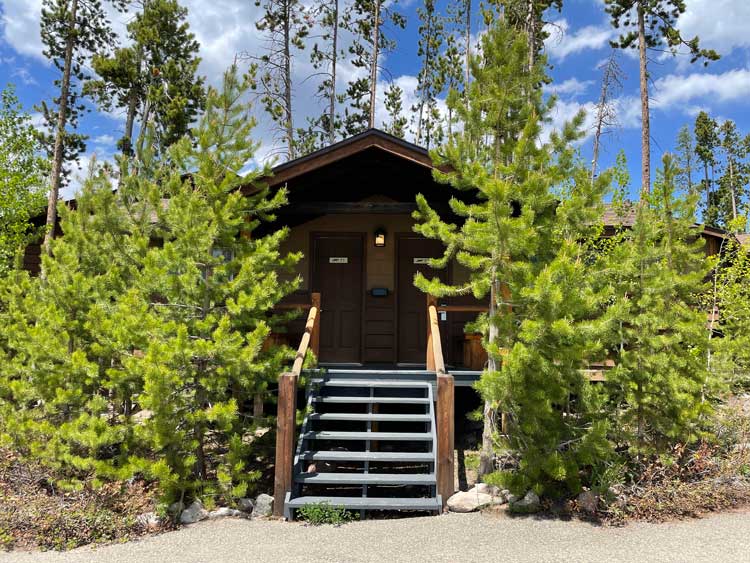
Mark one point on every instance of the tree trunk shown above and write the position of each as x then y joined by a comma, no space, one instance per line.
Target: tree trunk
374,62
334,60
731,189
487,455
531,30
57,159
468,44
645,114
127,142
288,86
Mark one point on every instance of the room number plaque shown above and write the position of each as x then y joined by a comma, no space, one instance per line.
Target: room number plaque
338,260
421,260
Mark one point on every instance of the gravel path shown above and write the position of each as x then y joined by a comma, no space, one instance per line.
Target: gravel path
453,537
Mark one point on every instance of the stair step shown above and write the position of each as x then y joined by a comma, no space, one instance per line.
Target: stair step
369,503
387,372
370,383
366,400
375,417
396,436
366,478
335,455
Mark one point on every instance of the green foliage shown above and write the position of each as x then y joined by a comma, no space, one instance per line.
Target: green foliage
731,294
394,106
528,210
660,26
23,174
140,349
154,76
319,513
651,282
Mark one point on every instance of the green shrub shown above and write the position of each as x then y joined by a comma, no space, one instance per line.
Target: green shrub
319,513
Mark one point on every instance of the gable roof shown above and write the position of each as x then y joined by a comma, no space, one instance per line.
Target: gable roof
372,138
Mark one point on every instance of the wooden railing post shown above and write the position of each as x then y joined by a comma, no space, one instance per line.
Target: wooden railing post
285,428
445,436
430,359
315,342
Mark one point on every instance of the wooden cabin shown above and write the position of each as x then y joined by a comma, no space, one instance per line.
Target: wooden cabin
395,365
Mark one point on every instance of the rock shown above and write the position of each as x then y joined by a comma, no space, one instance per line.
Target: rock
193,513
246,505
176,508
149,521
588,502
468,501
491,490
263,506
226,512
530,503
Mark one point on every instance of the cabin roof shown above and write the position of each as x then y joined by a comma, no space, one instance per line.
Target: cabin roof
370,139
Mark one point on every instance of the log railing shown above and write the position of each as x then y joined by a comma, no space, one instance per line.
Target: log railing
286,418
445,407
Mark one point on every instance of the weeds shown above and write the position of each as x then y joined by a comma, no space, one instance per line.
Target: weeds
320,513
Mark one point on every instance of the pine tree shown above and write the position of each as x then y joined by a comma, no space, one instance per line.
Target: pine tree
365,20
23,174
652,279
528,16
154,77
430,79
71,31
396,125
686,158
706,142
146,336
649,24
285,24
325,59
732,185
526,208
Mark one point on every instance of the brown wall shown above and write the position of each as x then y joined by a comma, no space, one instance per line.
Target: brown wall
379,261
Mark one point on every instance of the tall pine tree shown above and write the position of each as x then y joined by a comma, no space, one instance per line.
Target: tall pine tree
525,209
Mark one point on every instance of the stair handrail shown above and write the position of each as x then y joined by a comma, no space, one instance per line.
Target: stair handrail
311,336
286,417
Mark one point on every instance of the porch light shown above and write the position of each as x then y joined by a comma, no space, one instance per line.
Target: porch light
380,237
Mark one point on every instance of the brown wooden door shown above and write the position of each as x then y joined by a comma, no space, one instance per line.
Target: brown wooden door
338,276
412,303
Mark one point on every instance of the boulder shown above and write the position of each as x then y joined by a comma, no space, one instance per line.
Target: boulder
468,501
226,512
193,513
263,506
491,490
149,521
588,502
176,508
246,505
529,504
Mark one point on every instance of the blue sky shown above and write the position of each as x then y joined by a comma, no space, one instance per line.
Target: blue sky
579,42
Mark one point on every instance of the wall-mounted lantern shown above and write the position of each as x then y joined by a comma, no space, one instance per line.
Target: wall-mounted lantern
380,237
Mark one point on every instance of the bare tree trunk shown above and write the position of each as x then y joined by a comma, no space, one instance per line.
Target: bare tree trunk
731,188
645,114
374,65
531,30
487,455
605,113
334,60
57,159
288,86
468,44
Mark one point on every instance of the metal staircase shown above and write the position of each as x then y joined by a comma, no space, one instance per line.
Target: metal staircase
368,442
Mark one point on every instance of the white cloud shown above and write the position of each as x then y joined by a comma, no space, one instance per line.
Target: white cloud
680,90
720,24
563,42
569,87
103,140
